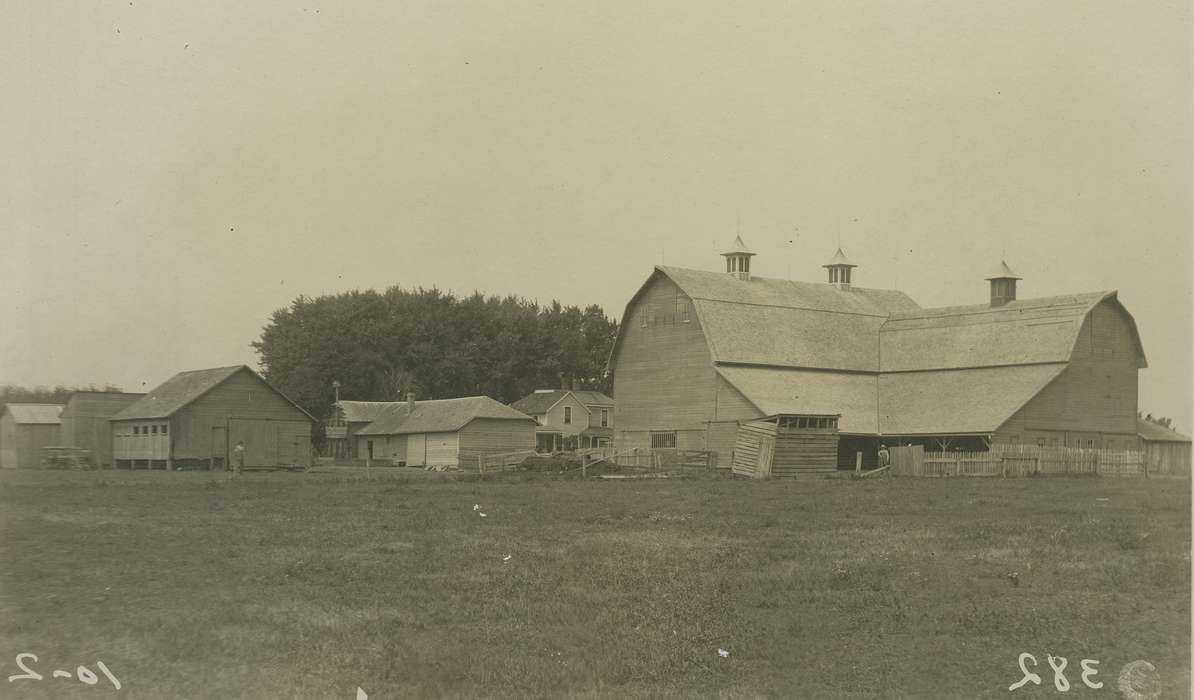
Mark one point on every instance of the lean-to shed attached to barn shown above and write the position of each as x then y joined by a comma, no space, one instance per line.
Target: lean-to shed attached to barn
25,428
196,418
786,445
1165,451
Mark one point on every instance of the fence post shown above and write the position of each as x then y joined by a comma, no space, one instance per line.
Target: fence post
957,463
1002,468
1036,465
857,462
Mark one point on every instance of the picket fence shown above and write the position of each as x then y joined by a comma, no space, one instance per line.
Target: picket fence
1018,460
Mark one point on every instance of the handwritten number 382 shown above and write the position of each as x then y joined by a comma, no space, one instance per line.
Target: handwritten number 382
1058,664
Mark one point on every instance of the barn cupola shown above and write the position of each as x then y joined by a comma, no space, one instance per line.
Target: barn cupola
839,270
738,259
1003,285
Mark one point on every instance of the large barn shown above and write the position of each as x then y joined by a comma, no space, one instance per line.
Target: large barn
698,353
196,418
25,428
85,422
445,432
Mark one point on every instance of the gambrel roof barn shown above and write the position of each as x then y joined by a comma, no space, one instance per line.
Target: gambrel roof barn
699,352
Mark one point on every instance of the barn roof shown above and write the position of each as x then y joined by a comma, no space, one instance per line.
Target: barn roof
784,322
365,411
958,401
1020,332
541,401
35,413
774,391
439,416
183,388
1151,432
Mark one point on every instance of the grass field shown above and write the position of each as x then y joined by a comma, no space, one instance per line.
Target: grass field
306,585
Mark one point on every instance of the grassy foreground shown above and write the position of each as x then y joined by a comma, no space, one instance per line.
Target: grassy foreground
306,585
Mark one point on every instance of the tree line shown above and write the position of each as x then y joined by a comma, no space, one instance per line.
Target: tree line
14,393
380,345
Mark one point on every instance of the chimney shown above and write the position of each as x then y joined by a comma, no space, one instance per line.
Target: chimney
738,259
410,402
1003,285
839,270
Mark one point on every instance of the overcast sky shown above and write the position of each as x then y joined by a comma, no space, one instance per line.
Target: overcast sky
172,172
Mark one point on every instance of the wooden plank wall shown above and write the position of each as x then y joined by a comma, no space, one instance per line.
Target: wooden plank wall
804,452
748,446
1021,460
663,373
1095,395
242,395
491,436
85,422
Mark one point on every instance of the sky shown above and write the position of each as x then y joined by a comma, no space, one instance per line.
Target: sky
173,172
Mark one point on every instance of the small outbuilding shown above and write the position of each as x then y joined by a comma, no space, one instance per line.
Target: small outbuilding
445,432
786,445
347,419
86,422
25,428
1165,451
196,419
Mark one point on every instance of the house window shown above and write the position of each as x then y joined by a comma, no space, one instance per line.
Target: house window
1090,444
567,415
605,418
663,441
136,430
164,428
153,429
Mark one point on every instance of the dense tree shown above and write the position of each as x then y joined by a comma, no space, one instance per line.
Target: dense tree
380,346
12,393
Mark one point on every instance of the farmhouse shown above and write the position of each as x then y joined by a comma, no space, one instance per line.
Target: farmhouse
85,422
700,353
569,418
1165,451
25,428
196,418
445,432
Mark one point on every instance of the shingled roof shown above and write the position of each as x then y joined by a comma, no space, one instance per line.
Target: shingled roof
365,411
183,388
1020,332
35,413
540,402
1158,433
439,416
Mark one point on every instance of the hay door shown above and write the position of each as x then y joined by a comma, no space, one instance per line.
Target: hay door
766,455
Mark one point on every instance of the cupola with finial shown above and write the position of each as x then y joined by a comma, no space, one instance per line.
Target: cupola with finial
738,259
1003,284
839,270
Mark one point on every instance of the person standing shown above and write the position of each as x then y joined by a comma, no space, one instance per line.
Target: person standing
884,456
238,456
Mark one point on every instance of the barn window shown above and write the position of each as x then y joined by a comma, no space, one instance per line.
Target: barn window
642,315
605,418
136,430
663,441
164,428
153,429
682,310
567,415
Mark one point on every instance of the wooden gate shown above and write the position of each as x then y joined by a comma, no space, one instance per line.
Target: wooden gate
907,461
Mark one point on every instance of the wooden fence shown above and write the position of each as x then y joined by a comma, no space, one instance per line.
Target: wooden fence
502,461
1018,460
661,460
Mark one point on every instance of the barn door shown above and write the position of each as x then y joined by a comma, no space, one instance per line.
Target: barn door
766,454
416,450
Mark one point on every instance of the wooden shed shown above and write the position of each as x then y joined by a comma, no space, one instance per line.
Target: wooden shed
195,419
445,432
86,422
786,445
25,428
1165,451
